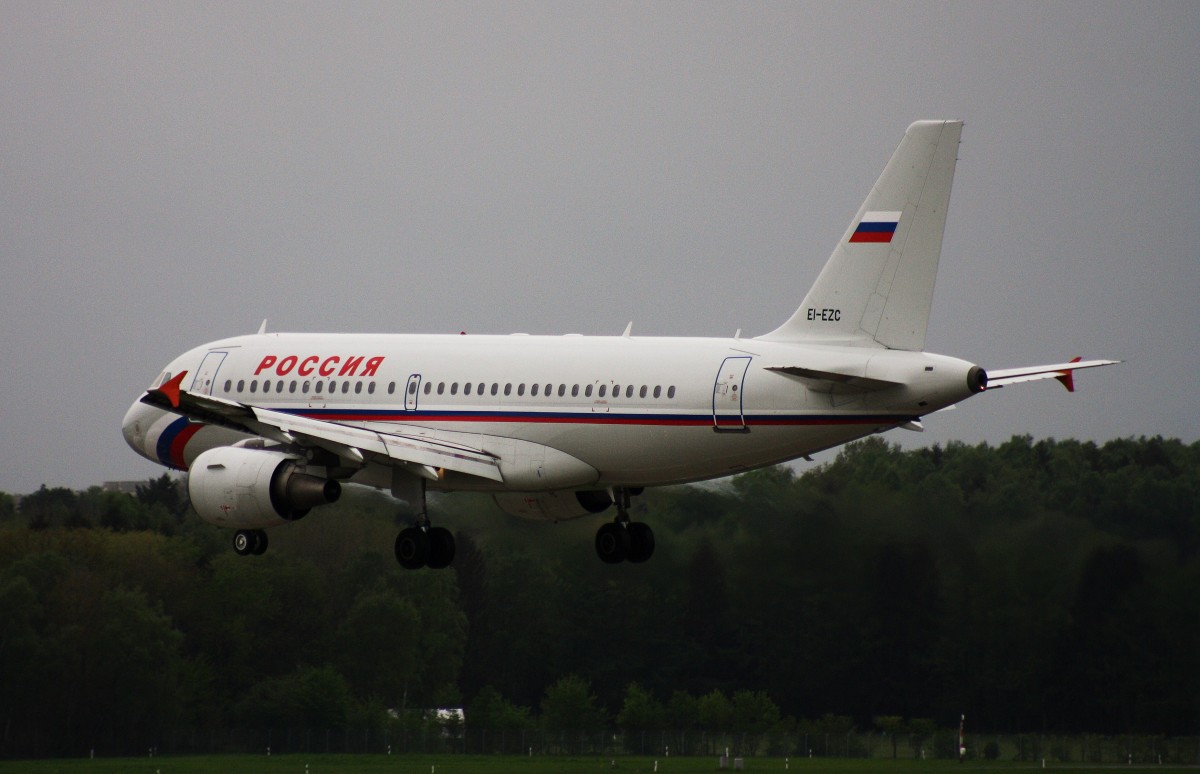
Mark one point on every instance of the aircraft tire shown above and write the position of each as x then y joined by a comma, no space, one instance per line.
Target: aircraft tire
260,543
641,542
412,548
612,543
441,548
244,542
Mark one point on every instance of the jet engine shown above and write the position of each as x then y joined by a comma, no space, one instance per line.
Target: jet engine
553,506
253,488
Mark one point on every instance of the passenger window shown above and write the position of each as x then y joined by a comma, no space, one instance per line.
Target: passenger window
642,392
671,391
562,390
495,388
228,384
241,385
549,389
370,388
412,388
266,385
574,390
305,388
616,390
253,385
521,388
480,390
508,388
466,389
428,387
454,388
629,391
534,390
357,388
320,386
391,388
603,390
441,387
657,391
587,391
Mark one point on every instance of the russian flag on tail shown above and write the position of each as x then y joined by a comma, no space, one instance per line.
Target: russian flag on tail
876,227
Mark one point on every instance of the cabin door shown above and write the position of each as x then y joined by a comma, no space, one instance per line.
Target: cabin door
206,374
727,395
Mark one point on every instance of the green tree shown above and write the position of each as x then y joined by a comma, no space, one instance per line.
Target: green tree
640,713
8,508
492,712
570,706
378,647
892,726
310,697
754,714
714,712
47,508
20,647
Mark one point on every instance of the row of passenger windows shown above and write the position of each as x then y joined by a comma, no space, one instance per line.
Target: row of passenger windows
481,388
549,390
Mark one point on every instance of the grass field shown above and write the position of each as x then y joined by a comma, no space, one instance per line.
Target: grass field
482,764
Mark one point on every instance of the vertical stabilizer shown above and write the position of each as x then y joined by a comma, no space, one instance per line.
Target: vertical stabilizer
877,287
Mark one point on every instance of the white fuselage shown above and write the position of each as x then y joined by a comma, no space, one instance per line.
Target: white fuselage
595,411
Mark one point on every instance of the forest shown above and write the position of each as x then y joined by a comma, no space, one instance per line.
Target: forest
1034,586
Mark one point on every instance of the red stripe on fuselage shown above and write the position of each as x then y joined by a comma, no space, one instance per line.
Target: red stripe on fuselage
178,443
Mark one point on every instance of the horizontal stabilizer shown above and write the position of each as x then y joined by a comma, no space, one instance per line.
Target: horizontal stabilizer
850,380
1063,372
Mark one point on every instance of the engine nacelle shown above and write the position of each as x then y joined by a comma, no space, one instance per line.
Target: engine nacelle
553,506
253,488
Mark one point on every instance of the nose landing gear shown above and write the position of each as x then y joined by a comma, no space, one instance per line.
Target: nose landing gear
250,541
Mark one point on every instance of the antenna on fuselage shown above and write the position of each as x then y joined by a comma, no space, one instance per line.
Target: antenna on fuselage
628,330
262,328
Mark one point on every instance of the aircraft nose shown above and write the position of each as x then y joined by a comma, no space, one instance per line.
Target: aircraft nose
136,424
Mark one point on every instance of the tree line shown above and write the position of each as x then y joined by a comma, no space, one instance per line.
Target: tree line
1048,586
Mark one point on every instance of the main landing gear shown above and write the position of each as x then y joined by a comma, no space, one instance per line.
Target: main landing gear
422,545
250,541
621,539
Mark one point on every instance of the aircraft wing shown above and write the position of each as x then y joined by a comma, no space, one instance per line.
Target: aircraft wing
420,455
1063,372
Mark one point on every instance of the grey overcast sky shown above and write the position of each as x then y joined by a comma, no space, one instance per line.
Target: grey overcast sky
173,173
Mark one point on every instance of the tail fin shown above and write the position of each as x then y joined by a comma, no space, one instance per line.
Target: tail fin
877,287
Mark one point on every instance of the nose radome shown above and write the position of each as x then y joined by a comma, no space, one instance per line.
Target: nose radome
134,426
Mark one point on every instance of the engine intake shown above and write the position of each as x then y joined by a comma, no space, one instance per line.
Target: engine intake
253,488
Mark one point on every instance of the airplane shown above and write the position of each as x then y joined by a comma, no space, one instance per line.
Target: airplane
271,425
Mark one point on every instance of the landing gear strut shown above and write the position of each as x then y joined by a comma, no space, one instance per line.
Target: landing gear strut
621,539
250,541
422,545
